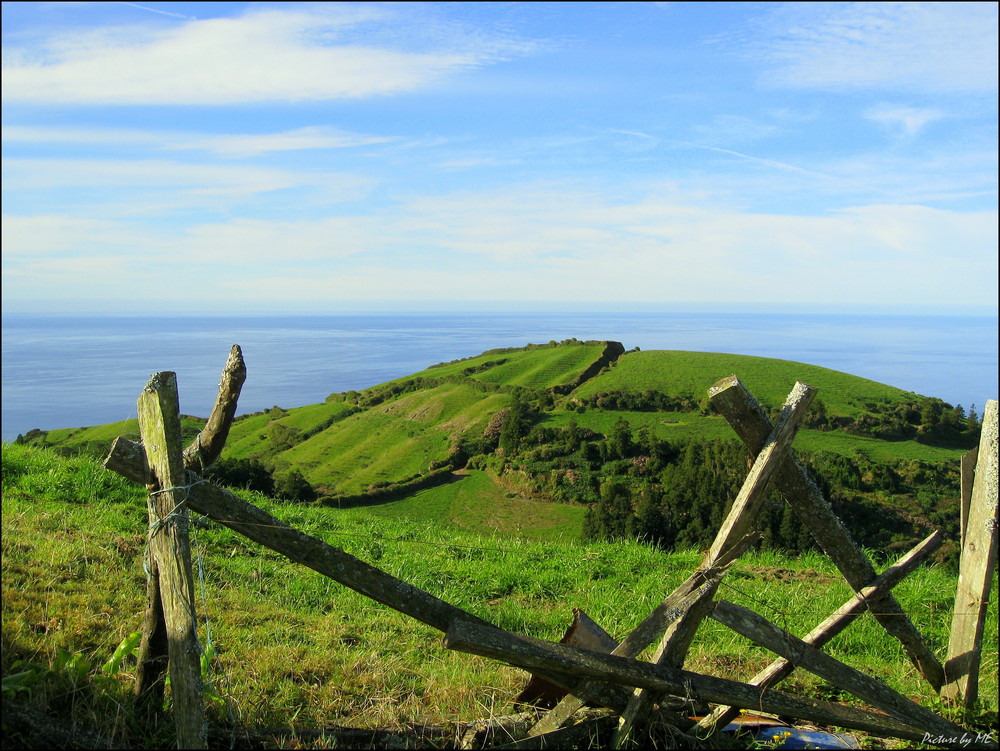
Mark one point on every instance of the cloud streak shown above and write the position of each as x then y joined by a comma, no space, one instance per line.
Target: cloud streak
538,243
936,47
262,56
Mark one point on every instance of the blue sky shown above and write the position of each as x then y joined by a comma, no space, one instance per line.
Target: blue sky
229,157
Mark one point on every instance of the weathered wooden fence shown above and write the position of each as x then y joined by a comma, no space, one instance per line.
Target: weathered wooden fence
612,678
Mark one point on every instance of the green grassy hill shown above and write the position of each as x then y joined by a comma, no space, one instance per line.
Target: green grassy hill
539,423
690,374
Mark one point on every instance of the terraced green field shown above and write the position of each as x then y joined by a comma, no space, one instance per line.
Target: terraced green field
248,436
542,367
394,440
545,368
366,448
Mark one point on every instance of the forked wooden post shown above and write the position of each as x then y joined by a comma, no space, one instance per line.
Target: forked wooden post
202,452
979,559
160,427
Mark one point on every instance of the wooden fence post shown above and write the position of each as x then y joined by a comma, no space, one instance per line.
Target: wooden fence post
968,480
160,427
205,449
975,576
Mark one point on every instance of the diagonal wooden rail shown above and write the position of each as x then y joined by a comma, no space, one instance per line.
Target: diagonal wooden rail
835,623
742,516
747,418
128,459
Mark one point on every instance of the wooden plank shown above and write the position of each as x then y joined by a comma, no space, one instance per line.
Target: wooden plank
160,427
968,480
766,634
584,631
975,576
833,625
697,587
747,418
743,512
533,654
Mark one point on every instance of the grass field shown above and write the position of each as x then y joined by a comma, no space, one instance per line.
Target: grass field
541,367
475,503
687,426
690,374
341,448
393,440
296,650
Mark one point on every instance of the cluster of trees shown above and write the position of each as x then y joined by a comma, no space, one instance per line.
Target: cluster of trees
253,474
927,420
649,400
636,485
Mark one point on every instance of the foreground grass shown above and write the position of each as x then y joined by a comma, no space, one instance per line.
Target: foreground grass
296,650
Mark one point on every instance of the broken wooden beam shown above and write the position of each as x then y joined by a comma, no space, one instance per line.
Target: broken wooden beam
762,632
835,623
536,654
697,587
208,445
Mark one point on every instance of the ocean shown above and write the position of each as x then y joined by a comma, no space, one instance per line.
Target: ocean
61,371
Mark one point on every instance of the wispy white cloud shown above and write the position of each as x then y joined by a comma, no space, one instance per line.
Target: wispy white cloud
908,121
935,47
299,139
733,130
262,56
545,242
168,185
768,162
224,144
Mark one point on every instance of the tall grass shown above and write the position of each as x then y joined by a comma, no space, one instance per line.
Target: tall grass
294,649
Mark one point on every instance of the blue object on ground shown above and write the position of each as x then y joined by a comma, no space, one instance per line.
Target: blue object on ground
794,738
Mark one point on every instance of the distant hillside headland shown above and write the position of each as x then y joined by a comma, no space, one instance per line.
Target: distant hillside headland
629,436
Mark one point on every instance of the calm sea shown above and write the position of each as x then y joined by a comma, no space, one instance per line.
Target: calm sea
70,372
